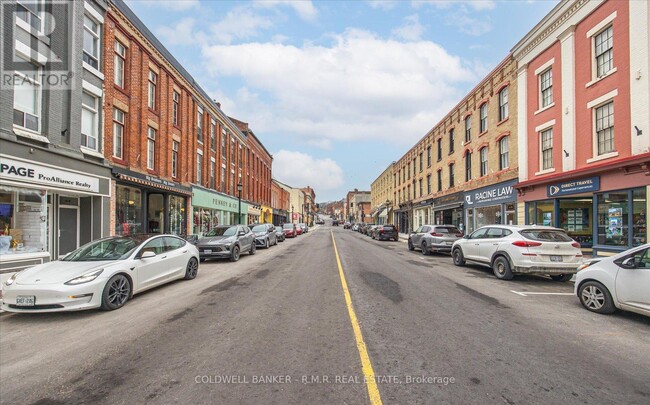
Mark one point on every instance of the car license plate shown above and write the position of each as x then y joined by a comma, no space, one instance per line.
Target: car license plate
556,258
449,243
26,300
207,251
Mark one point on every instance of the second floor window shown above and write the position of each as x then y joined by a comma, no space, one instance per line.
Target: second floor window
151,148
428,184
420,187
89,121
223,178
468,128
153,81
547,149
175,147
213,130
503,153
212,168
176,100
468,166
199,124
605,128
199,168
118,133
451,175
451,141
224,135
484,161
439,180
503,104
120,61
604,54
27,99
91,42
483,118
546,87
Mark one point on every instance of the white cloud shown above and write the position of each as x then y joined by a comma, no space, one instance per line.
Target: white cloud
239,23
183,33
383,4
470,25
174,5
412,30
360,88
301,170
477,5
304,8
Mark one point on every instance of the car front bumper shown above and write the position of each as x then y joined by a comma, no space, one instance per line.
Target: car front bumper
54,297
207,252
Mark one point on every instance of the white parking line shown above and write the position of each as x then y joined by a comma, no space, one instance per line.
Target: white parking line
527,293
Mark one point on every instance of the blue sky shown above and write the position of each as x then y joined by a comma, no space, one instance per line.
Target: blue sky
337,90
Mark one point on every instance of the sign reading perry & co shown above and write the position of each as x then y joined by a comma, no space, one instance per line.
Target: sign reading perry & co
45,175
494,194
574,187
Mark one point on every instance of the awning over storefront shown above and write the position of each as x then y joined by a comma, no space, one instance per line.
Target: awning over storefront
150,181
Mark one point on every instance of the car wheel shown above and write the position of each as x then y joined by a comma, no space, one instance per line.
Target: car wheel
459,259
411,245
253,249
501,268
192,269
596,298
234,254
396,239
116,292
562,277
425,250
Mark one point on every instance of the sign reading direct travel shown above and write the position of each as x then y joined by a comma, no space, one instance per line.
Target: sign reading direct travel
49,176
497,193
574,187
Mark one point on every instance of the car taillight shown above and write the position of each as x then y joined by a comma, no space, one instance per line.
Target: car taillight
435,234
576,245
523,243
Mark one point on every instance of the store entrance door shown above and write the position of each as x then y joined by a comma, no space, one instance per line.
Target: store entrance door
68,229
155,213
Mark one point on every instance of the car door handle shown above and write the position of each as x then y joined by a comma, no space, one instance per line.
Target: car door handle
184,251
164,257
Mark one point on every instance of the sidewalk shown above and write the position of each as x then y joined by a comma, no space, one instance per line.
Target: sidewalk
403,237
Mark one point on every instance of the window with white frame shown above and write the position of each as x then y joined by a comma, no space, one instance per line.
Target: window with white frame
224,136
605,128
92,32
199,123
503,104
483,154
120,61
151,148
604,43
232,151
89,121
118,133
199,168
223,179
27,99
468,166
212,173
31,13
175,147
153,82
503,153
468,128
546,87
241,156
483,124
213,129
547,149
176,101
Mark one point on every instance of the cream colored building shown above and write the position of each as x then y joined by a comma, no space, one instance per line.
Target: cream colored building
382,196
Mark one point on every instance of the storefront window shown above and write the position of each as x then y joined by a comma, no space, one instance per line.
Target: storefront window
205,220
639,217
576,219
23,220
128,202
487,215
176,215
544,214
613,218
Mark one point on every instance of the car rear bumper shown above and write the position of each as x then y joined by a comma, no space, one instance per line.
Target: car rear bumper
439,247
388,236
555,269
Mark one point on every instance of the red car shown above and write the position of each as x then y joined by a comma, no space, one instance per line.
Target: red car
289,230
298,229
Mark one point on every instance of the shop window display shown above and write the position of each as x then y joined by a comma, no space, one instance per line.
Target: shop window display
639,217
487,215
176,215
613,215
576,220
128,211
23,220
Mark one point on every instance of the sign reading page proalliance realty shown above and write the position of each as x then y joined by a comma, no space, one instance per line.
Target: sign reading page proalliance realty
49,176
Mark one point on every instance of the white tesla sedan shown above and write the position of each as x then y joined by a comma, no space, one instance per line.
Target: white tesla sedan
101,274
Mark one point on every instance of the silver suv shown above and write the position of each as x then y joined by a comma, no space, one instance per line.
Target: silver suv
434,238
512,249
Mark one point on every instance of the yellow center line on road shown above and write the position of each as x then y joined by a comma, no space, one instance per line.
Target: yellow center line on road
368,373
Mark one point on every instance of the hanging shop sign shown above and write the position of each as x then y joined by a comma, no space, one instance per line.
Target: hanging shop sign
574,187
490,195
455,198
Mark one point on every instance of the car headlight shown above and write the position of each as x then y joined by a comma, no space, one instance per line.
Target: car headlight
11,279
86,278
585,265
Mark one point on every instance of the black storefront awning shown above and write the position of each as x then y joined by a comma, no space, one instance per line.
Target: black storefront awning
150,181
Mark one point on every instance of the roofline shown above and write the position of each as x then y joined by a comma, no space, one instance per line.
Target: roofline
250,131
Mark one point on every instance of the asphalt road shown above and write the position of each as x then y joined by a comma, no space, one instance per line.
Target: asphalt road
275,328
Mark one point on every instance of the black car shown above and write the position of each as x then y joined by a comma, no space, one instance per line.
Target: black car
335,223
385,232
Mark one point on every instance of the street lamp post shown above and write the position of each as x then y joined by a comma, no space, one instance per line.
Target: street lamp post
388,211
239,188
292,214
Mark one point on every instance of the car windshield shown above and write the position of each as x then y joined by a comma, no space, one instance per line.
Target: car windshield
447,229
223,231
546,235
105,249
287,226
259,228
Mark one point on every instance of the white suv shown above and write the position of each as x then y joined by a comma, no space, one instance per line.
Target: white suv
512,249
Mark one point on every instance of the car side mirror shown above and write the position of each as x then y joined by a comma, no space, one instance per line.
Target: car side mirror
629,263
466,237
148,254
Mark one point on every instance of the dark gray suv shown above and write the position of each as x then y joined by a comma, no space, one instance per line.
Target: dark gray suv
264,235
226,241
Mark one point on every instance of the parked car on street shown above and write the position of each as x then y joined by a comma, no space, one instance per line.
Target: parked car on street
347,225
279,234
618,282
355,227
304,227
335,223
289,230
104,274
299,230
385,232
264,235
520,249
434,238
227,241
